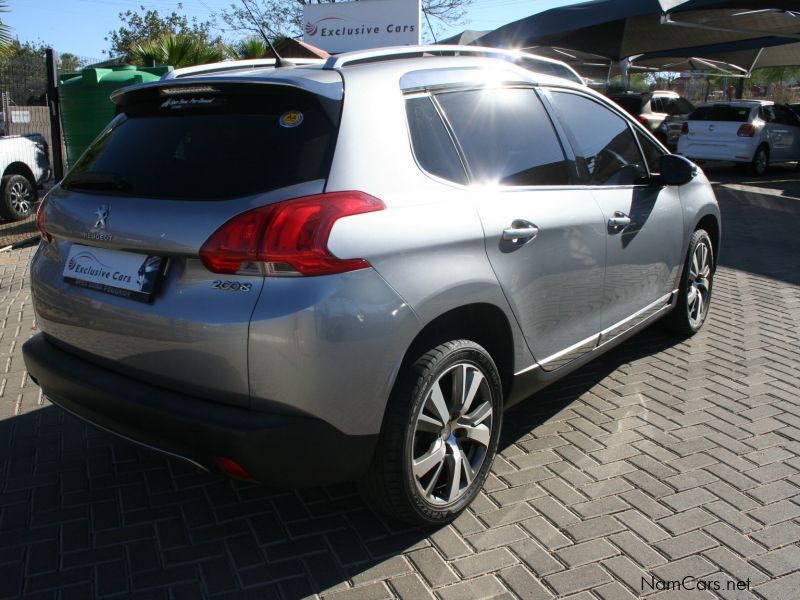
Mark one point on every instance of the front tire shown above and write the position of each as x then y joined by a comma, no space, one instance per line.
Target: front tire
18,197
694,294
439,437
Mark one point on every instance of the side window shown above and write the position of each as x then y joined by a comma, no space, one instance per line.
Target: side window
786,116
606,150
506,137
430,142
769,114
657,105
652,153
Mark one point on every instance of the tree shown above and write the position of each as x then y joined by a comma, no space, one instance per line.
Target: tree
5,31
179,50
149,24
254,47
69,63
285,17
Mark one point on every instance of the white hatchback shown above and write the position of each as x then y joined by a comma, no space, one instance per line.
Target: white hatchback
747,132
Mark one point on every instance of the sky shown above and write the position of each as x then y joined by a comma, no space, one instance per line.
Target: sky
80,26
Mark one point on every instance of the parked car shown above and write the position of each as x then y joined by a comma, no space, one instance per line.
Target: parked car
280,282
661,111
750,133
25,166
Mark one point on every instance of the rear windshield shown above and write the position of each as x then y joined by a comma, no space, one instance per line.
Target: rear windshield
632,104
207,148
721,112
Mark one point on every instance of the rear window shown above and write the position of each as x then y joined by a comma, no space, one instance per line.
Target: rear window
631,104
208,148
721,112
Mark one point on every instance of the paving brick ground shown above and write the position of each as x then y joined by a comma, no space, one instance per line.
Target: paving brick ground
663,459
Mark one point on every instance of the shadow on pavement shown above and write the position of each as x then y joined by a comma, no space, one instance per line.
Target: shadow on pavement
87,513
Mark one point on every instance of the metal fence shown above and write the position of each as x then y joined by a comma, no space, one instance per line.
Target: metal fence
25,132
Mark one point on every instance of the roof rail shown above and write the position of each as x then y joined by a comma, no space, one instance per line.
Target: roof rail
232,65
378,54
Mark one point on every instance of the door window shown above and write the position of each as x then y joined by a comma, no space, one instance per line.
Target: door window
605,148
786,116
652,153
506,137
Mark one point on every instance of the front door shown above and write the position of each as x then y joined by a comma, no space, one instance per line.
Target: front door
643,222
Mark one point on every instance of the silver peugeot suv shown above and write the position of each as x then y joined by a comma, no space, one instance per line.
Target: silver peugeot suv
347,271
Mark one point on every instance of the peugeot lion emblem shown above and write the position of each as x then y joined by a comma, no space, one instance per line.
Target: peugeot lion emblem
102,215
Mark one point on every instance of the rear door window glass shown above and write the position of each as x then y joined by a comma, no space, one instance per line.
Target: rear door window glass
721,112
233,146
432,145
506,137
605,148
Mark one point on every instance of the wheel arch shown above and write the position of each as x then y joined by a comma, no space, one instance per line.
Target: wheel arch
710,224
483,323
20,168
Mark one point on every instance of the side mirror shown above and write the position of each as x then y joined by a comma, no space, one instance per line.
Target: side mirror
677,169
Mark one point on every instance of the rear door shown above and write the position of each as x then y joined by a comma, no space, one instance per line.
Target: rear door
643,223
168,173
789,132
544,237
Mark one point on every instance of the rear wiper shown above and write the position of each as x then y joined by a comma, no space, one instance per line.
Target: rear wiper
96,181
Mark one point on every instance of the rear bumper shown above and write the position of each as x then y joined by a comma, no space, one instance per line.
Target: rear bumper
742,153
278,449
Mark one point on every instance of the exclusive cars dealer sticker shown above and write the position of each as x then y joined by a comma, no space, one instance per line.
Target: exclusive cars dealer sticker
114,272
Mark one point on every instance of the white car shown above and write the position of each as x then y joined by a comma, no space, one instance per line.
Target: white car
747,132
25,166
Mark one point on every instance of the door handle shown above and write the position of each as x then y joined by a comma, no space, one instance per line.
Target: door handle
520,231
620,219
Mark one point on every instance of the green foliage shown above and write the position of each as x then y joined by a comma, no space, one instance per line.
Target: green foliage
148,24
254,47
779,75
5,31
179,50
23,74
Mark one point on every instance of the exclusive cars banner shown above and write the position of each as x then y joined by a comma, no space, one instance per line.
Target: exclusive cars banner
344,26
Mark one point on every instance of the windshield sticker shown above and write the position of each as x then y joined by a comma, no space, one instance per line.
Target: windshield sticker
291,118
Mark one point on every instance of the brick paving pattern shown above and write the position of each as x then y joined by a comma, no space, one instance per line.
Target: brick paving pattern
663,459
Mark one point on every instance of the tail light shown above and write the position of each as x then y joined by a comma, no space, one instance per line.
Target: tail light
685,128
40,222
287,238
746,130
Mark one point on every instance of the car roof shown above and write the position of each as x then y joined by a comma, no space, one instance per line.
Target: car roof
463,62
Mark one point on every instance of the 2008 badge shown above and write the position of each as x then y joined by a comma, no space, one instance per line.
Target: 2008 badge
231,286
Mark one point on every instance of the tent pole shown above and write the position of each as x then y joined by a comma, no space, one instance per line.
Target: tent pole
624,65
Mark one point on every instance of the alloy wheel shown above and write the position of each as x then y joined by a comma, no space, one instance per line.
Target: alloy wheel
452,433
698,289
19,195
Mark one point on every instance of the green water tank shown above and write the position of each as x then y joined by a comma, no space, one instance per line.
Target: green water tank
86,106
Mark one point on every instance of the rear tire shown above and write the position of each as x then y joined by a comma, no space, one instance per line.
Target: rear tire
439,436
18,196
760,162
694,294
